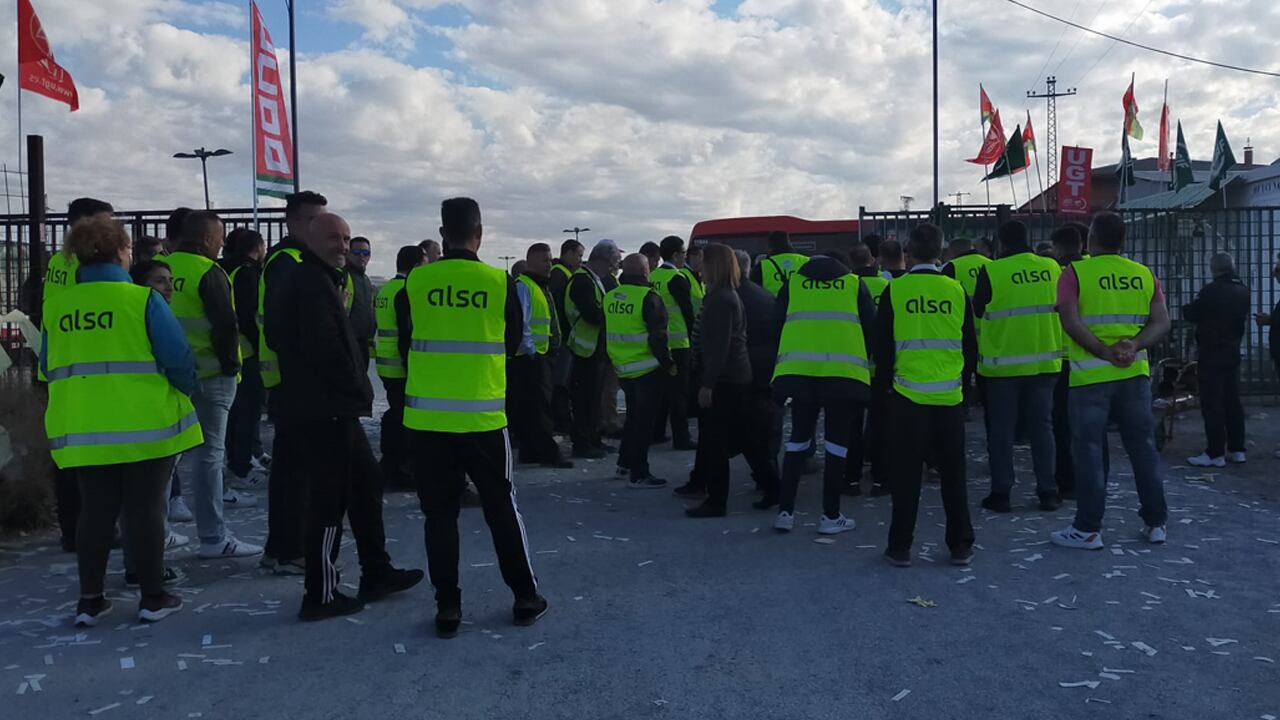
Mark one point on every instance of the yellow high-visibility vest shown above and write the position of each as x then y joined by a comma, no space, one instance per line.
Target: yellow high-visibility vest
1115,303
928,329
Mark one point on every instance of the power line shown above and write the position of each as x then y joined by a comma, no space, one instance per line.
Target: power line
1079,38
1055,46
1112,46
1149,48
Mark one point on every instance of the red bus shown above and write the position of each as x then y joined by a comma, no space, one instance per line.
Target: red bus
751,233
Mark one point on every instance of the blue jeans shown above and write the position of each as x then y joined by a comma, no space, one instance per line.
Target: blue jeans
1129,403
213,403
1030,399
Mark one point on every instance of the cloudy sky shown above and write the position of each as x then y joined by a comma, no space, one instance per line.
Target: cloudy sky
634,117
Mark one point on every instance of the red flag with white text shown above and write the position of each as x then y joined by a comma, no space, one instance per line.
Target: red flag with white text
37,70
1075,187
273,146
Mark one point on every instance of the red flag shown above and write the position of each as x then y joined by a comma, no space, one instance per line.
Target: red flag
1076,186
984,103
993,145
1028,138
1162,160
1132,127
272,142
37,70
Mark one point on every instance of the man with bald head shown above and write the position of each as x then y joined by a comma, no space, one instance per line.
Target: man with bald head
635,325
323,393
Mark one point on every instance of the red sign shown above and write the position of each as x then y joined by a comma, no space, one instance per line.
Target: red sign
37,70
1076,182
273,146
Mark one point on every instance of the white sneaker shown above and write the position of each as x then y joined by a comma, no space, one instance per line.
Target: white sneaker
261,462
1155,535
1074,538
1203,460
1237,457
178,510
836,525
229,548
784,522
254,480
175,540
234,500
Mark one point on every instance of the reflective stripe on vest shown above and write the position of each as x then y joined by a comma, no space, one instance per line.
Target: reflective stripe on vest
109,403
1019,333
584,337
386,339
457,375
1114,303
268,365
539,315
189,270
677,328
822,335
928,330
776,270
626,335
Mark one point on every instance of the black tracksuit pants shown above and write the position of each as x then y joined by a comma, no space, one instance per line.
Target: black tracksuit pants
286,493
442,462
529,408
393,439
804,424
911,427
735,422
1220,405
343,480
586,383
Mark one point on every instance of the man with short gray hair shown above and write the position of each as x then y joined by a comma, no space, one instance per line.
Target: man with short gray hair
1220,314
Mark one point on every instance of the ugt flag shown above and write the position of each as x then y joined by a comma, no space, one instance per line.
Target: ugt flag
273,147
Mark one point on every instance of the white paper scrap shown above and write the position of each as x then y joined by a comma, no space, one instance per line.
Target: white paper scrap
1091,684
104,708
399,648
901,695
126,663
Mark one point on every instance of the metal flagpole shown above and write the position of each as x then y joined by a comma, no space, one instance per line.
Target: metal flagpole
253,124
18,86
982,120
935,104
293,96
1164,117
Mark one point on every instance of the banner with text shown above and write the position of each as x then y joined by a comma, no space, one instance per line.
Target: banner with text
1076,182
273,147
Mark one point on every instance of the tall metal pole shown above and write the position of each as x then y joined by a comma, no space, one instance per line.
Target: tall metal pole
293,97
935,103
204,170
1051,96
35,193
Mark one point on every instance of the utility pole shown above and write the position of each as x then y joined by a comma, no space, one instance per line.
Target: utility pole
507,259
203,156
959,196
577,231
1051,96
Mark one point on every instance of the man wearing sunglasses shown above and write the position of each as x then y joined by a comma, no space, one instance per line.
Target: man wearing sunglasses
363,321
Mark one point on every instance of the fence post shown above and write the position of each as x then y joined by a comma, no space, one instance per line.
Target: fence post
35,194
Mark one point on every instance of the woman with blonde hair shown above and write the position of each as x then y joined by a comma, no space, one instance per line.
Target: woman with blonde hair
120,375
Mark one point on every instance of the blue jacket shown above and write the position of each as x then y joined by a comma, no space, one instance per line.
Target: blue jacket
168,343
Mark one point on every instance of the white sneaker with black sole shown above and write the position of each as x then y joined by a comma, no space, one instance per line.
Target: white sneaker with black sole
836,525
229,548
785,521
1079,540
1155,535
233,500
175,540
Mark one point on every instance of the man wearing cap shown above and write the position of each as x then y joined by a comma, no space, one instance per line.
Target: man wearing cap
584,312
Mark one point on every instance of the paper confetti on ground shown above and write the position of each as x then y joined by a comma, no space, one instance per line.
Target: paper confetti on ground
901,695
921,602
1091,684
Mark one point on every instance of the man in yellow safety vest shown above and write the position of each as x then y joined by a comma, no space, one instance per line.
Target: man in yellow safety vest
529,370
391,370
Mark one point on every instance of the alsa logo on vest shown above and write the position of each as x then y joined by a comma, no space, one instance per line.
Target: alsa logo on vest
813,284
179,283
620,306
929,306
1120,282
103,320
1027,277
380,303
56,276
448,297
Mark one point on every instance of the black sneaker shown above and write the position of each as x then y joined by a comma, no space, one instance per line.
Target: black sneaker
154,608
706,510
898,558
963,556
171,576
690,490
1049,503
558,464
447,621
879,490
685,445
386,582
526,612
767,501
852,490
997,503
647,482
591,453
90,610
313,610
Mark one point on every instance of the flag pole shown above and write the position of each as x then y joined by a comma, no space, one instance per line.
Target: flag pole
935,106
18,86
1164,115
982,120
293,96
253,124
1013,189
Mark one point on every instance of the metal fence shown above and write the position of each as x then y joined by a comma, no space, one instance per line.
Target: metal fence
1175,244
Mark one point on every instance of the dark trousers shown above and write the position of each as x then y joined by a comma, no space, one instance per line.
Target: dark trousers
804,424
1064,467
643,395
441,463
1027,402
911,427
244,422
866,440
287,492
561,407
529,408
138,494
675,401
586,383
342,480
66,494
1221,408
734,423
393,438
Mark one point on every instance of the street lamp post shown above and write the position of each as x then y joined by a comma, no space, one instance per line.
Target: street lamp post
577,231
203,155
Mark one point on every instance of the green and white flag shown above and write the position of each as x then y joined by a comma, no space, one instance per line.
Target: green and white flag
1124,171
1223,160
1182,175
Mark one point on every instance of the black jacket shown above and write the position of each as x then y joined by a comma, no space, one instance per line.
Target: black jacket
244,288
363,322
224,330
654,313
321,364
884,346
556,286
821,267
274,274
1221,315
582,292
762,332
722,340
